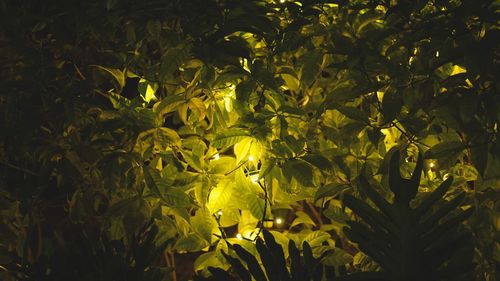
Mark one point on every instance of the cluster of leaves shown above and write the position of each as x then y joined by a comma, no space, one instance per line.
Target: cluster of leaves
214,117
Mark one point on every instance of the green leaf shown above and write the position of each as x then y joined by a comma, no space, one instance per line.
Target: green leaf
116,73
191,243
302,218
229,137
299,170
264,76
392,103
167,105
330,189
255,205
353,113
316,238
165,137
311,66
154,181
202,223
197,108
444,150
318,161
266,167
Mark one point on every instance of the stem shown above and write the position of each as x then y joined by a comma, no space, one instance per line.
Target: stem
19,168
317,215
261,222
237,167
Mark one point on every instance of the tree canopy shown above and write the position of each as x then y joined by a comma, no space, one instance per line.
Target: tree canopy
140,135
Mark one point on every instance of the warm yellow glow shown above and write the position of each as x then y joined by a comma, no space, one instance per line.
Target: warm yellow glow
282,1
219,213
216,156
250,158
437,54
239,236
432,165
279,221
446,176
254,178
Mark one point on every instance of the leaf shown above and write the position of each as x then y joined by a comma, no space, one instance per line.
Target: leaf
191,243
445,150
116,73
229,137
299,170
167,105
302,218
154,181
154,28
264,76
342,92
201,191
198,108
251,261
255,205
318,161
311,66
330,189
203,223
242,149
267,166
177,198
353,113
392,103
316,238
165,137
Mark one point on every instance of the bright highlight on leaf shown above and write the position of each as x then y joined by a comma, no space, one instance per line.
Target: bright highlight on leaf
432,165
250,158
239,236
216,156
219,213
279,221
254,178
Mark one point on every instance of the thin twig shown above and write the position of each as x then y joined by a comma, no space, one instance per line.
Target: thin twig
19,168
261,222
237,167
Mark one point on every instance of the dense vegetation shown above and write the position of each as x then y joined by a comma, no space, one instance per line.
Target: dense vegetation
144,140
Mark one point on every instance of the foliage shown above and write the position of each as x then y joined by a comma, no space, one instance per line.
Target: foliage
418,242
302,267
213,118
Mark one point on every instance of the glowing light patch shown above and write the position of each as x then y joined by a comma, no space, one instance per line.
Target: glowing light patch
250,158
279,221
437,54
216,156
219,213
254,178
432,165
239,236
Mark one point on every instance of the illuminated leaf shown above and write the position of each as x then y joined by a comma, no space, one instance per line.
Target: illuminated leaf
191,243
302,218
116,73
202,223
198,108
229,137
